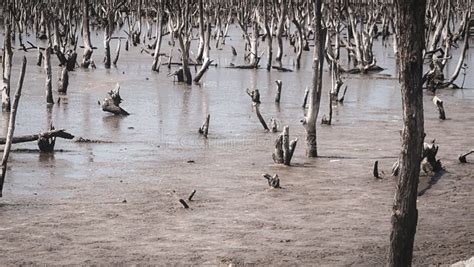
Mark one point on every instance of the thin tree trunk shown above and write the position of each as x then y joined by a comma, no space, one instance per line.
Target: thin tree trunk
410,17
7,68
47,68
316,88
11,126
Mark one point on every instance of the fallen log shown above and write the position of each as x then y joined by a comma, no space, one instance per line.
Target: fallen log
282,69
61,133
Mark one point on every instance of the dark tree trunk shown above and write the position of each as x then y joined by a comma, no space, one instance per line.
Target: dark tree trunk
410,17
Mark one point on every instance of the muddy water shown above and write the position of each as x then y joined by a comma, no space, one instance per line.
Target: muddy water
148,152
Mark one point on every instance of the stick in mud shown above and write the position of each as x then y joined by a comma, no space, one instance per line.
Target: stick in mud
376,170
205,127
185,205
190,198
260,118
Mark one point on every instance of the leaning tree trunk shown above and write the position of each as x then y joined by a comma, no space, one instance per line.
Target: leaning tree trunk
7,68
410,17
316,88
11,127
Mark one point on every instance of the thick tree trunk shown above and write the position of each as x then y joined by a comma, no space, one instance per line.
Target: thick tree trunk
410,17
316,88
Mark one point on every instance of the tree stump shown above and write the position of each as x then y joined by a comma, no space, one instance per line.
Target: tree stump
112,103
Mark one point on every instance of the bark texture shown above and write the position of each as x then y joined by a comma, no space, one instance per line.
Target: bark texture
410,17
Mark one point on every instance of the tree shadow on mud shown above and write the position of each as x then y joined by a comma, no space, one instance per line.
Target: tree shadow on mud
431,181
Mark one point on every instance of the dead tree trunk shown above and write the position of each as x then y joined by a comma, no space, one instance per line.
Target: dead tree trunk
439,104
284,148
159,38
63,82
47,68
411,30
283,9
204,130
278,93
7,67
11,126
86,57
311,117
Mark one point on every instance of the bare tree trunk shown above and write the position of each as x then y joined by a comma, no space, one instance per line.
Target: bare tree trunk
11,126
200,52
159,38
410,17
86,57
7,68
47,68
279,30
316,88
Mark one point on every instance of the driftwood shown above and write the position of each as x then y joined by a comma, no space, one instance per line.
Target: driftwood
11,126
273,181
462,157
205,127
284,148
278,91
112,103
61,133
439,104
281,69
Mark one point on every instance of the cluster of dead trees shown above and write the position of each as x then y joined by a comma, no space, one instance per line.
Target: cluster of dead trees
422,33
